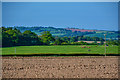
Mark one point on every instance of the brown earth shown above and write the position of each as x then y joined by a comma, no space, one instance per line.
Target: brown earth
60,67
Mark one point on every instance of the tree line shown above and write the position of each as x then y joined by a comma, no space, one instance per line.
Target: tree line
14,37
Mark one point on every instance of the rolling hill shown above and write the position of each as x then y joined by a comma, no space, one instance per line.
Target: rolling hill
70,32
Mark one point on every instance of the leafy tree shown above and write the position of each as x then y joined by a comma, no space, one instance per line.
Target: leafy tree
6,40
58,41
30,38
65,39
101,42
73,39
47,37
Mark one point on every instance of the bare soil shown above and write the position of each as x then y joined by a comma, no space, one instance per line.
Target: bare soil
60,67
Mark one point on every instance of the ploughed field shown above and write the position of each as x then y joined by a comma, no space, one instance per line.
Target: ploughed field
60,49
60,67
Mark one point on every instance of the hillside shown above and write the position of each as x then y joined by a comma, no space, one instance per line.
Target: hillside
81,30
61,32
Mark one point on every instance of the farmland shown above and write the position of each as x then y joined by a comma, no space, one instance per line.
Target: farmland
60,49
60,67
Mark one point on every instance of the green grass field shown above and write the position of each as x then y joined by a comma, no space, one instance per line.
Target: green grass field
63,49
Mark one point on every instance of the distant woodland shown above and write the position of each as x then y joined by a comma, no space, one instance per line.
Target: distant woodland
27,36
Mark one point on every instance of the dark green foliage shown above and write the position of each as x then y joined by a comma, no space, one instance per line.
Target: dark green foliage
46,37
10,37
30,38
73,39
62,32
110,35
14,37
113,42
79,43
58,41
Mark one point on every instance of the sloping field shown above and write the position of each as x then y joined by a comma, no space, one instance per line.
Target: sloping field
60,67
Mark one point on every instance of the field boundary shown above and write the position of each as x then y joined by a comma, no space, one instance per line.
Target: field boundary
60,79
62,55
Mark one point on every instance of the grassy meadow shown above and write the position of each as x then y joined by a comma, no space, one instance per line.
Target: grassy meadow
60,49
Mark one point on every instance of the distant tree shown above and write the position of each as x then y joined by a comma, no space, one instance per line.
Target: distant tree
95,42
6,40
113,42
10,37
73,39
101,42
47,37
58,41
14,36
30,38
88,38
65,39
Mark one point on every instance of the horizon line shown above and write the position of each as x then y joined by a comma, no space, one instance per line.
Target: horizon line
63,28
